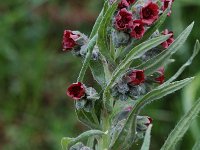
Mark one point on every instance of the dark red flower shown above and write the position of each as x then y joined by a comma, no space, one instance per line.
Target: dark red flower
150,120
166,4
161,77
131,1
69,39
123,19
137,30
149,13
123,4
76,91
136,77
167,43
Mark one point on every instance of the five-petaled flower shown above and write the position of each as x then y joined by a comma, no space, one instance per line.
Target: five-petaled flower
161,78
138,29
167,43
136,77
69,40
76,91
149,13
166,4
123,19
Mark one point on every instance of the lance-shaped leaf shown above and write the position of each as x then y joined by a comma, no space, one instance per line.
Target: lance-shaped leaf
87,119
149,32
127,134
182,126
99,19
147,139
135,53
103,39
67,142
188,63
98,72
153,64
196,145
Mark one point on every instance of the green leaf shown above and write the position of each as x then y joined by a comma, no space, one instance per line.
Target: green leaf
98,72
103,39
126,138
147,139
188,63
133,54
67,142
149,32
86,62
87,119
181,127
153,64
98,21
196,145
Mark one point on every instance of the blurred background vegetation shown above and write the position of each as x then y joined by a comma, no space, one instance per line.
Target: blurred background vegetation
34,73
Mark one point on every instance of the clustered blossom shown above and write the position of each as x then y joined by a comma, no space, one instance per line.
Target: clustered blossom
133,19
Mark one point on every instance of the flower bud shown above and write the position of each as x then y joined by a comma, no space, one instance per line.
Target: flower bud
120,38
167,43
161,78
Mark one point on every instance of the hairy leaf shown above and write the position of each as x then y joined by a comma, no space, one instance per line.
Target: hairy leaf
67,142
181,127
147,139
188,63
103,40
153,64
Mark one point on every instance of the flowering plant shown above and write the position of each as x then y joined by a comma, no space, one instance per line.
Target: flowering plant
127,56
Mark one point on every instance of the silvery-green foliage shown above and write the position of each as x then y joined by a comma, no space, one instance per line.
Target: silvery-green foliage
117,127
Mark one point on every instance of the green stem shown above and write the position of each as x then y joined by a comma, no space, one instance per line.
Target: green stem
86,62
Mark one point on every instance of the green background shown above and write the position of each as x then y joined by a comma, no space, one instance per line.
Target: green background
35,112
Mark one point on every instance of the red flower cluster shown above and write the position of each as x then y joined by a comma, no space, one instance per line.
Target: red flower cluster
136,77
69,40
76,91
134,23
167,43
